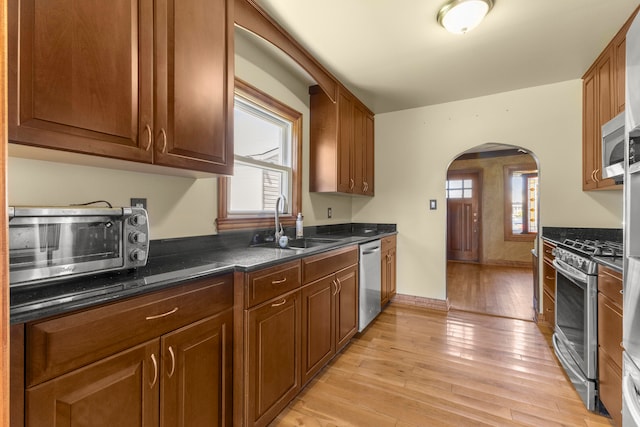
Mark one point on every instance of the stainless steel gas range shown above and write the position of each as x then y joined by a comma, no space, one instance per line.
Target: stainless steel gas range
575,339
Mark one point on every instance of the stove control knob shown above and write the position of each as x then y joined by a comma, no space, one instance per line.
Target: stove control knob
138,255
137,237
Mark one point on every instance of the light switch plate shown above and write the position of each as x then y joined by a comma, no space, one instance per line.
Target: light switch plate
433,204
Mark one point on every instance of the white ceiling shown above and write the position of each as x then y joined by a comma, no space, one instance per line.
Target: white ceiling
394,55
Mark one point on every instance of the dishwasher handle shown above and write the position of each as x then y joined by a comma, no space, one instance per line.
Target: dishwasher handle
371,251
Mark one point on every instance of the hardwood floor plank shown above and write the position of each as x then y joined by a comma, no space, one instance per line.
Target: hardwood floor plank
417,367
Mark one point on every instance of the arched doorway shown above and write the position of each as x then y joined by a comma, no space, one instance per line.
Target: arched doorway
492,219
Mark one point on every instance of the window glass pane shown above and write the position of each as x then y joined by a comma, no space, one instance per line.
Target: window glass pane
260,135
455,183
468,183
255,190
455,194
467,193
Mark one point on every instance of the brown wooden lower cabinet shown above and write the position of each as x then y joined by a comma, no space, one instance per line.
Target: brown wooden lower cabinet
179,376
329,318
610,341
288,338
273,344
388,269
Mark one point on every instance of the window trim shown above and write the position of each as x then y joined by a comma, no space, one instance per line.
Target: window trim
224,221
508,230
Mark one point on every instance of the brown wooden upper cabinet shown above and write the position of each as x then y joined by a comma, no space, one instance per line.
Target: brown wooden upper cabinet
341,144
603,89
145,80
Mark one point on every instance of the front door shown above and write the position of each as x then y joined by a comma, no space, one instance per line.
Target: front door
463,215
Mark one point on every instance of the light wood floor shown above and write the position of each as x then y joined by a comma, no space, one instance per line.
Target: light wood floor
418,367
498,290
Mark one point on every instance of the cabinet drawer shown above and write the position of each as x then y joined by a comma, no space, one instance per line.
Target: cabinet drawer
610,328
270,282
610,284
547,251
317,266
388,243
549,277
610,386
65,343
549,306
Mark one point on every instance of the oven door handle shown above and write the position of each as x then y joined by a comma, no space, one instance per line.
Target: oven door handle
565,362
629,396
570,272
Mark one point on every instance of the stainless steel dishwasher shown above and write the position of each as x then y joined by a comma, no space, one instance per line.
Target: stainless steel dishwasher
370,284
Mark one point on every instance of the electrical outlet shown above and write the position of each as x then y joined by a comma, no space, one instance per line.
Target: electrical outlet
329,213
139,203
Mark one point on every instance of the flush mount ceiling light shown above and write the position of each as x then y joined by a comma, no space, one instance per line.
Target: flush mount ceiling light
460,16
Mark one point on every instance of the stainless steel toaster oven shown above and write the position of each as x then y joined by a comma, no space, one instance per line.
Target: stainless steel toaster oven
51,243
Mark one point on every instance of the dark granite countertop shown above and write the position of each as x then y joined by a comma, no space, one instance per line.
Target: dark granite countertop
611,262
175,261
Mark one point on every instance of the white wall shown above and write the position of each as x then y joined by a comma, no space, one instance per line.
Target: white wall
414,148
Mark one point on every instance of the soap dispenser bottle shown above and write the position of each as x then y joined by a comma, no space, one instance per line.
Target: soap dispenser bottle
299,226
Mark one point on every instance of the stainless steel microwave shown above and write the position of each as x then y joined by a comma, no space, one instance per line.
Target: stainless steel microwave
613,147
51,243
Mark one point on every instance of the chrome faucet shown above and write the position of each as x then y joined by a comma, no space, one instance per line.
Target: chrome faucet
279,230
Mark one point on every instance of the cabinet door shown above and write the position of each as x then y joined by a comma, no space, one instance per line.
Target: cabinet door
346,183
194,85
318,325
273,350
620,55
80,76
359,146
384,276
346,306
369,156
589,134
391,271
196,374
121,390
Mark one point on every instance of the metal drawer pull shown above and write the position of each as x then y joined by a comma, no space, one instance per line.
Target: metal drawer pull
277,282
147,128
278,304
158,316
173,362
549,278
155,371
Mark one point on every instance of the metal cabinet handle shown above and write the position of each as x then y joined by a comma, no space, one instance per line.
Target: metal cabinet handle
621,345
352,183
549,278
278,304
163,134
595,174
277,282
158,316
336,285
340,284
155,371
173,362
147,129
621,291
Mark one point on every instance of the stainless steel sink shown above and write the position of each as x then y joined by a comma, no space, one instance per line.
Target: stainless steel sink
304,243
